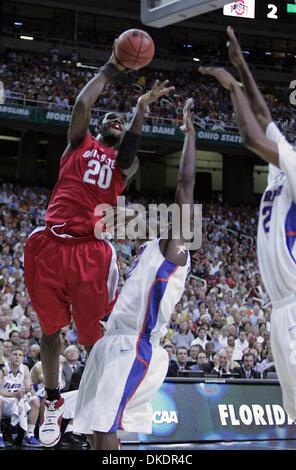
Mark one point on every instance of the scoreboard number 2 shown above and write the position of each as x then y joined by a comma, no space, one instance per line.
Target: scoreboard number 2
272,14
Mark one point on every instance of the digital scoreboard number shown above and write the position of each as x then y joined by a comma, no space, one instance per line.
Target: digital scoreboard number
284,11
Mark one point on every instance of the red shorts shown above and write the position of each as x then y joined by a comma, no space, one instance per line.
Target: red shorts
61,273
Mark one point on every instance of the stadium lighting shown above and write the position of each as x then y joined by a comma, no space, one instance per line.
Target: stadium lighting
27,38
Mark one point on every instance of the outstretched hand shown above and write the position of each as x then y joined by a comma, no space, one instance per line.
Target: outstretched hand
234,50
157,91
225,78
187,121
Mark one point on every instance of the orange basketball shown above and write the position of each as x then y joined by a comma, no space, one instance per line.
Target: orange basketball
134,48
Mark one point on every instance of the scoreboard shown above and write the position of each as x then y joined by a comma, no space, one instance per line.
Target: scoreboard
160,13
283,11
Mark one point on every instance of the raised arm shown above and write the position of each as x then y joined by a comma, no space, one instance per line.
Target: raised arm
250,130
254,95
128,147
174,248
81,114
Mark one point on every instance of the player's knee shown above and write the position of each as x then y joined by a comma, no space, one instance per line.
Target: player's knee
35,403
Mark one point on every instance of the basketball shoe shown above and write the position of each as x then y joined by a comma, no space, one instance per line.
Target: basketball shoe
50,428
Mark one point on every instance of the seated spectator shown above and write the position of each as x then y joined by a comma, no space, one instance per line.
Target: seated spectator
201,338
257,313
170,348
223,336
246,370
33,355
36,335
17,398
179,364
209,350
193,353
215,339
183,337
221,364
14,337
173,326
257,362
202,363
70,365
241,344
6,351
232,363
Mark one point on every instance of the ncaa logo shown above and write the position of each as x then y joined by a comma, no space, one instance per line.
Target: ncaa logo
165,417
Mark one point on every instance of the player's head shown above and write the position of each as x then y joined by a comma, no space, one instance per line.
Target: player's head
111,128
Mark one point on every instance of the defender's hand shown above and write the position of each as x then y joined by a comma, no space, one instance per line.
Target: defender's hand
187,125
234,50
224,77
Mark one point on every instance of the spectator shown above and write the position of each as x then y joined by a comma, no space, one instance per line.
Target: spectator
36,335
215,340
241,344
17,397
170,348
232,363
183,337
246,370
180,363
6,351
70,365
201,337
202,363
193,353
33,355
221,364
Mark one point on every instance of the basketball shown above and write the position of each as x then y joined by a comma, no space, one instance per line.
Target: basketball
134,49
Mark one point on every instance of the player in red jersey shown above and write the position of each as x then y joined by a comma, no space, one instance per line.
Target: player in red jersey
68,271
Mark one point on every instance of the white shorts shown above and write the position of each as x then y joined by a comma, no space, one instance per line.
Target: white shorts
283,345
69,404
8,404
122,375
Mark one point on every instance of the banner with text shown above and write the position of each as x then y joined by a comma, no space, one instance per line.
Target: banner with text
211,411
157,131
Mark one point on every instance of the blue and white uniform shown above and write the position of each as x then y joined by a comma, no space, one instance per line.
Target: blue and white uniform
276,249
127,366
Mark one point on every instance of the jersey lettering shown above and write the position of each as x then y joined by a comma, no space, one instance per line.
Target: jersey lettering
98,174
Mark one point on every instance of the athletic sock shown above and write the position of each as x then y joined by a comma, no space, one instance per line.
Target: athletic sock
52,394
31,428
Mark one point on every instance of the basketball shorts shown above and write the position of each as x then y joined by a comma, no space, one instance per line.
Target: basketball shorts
283,345
71,276
122,375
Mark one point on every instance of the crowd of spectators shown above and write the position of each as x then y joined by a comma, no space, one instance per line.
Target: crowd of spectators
53,82
224,307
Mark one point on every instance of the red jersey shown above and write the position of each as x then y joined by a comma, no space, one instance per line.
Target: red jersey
88,176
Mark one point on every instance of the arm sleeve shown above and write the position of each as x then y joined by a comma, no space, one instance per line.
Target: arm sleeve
287,159
273,133
127,150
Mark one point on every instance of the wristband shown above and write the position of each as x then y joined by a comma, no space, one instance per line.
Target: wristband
109,70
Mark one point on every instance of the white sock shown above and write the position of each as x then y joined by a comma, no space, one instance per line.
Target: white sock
31,428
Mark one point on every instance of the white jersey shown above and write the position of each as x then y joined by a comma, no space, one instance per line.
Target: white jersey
12,383
276,247
153,287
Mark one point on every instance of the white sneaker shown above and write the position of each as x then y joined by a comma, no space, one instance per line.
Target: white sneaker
50,428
